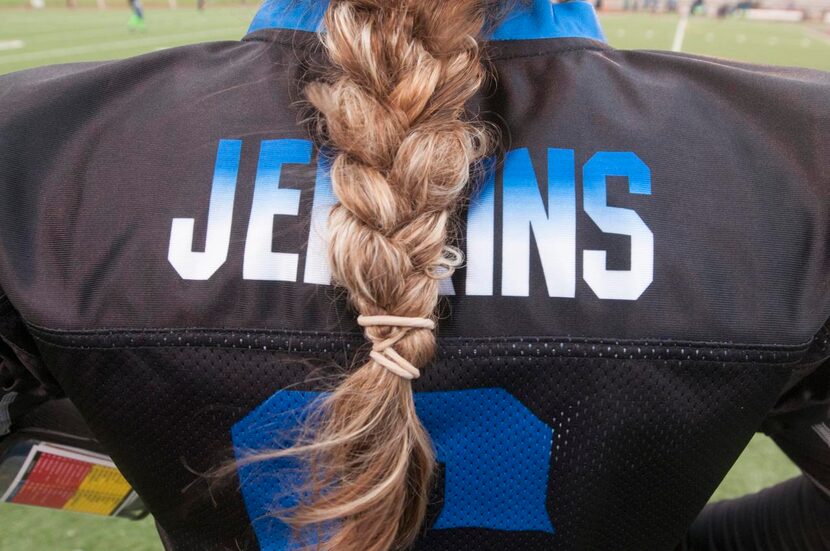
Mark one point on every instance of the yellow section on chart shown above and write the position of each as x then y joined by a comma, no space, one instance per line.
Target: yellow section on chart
100,493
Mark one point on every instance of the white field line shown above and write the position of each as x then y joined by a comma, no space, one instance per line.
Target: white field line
680,33
817,34
11,44
55,53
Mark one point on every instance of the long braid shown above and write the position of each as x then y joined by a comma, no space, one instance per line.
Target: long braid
392,109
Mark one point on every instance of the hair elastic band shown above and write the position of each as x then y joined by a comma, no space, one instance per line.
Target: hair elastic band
383,352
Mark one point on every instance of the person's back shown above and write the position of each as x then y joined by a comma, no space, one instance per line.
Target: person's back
645,282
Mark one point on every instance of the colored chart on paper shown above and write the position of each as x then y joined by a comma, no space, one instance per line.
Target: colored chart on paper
69,479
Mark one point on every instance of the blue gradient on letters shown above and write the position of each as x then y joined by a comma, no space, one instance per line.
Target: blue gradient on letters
201,266
495,451
554,228
317,269
618,284
481,236
269,200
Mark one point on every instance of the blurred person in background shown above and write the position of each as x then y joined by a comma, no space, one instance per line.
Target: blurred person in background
136,21
418,274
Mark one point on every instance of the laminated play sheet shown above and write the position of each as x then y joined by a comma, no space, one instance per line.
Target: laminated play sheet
61,477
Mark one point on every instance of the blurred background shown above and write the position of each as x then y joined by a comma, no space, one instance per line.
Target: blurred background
42,32
778,32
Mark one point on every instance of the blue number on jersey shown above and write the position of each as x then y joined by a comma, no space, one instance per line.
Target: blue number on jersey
495,452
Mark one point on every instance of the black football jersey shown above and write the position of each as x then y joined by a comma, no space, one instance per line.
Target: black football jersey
646,281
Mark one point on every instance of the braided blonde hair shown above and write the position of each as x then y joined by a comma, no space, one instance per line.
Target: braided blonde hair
391,107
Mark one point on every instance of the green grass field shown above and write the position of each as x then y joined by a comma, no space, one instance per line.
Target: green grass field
58,35
797,44
31,38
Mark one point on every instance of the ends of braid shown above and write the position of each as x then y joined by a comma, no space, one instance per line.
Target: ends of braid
392,109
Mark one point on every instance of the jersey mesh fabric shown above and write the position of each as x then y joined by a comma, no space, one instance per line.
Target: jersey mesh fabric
624,415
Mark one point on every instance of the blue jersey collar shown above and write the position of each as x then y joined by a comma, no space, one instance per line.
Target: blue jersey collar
528,21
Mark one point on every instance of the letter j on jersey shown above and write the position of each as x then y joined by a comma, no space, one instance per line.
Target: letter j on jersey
494,451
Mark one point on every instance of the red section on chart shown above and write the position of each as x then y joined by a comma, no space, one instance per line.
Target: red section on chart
52,481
